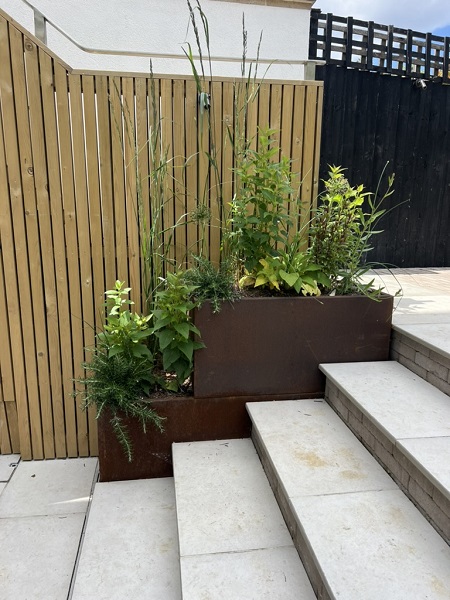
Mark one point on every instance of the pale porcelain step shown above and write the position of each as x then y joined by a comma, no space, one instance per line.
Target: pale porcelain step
130,547
405,422
424,348
358,535
234,543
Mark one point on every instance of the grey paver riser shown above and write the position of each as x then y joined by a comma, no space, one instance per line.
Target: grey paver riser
304,549
423,492
428,364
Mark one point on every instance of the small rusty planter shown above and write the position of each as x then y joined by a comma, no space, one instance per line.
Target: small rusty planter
273,346
188,419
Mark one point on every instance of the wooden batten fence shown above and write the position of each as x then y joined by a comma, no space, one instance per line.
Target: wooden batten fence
69,215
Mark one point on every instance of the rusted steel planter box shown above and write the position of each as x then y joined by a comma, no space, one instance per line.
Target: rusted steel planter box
256,349
188,419
273,346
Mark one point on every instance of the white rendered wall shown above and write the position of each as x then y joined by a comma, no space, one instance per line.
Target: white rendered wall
163,27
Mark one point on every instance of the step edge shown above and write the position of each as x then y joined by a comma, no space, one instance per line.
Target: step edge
400,328
396,470
308,558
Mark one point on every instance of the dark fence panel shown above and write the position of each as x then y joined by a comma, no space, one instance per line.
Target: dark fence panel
369,119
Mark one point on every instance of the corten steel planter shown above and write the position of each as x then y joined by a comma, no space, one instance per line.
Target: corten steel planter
187,419
273,346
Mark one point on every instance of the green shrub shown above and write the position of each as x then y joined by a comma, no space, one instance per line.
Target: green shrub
121,372
216,284
173,326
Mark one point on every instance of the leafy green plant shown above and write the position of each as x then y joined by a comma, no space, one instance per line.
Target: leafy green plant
173,326
341,230
287,272
124,332
259,216
121,372
216,284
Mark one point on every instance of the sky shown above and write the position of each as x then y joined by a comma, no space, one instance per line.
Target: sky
426,16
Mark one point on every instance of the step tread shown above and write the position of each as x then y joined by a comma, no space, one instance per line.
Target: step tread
130,548
325,459
231,532
435,336
387,392
349,528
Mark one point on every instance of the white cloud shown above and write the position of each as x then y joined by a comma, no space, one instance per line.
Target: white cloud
407,14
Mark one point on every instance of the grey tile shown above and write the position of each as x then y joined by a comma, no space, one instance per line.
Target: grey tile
8,463
130,548
313,451
269,574
374,545
38,555
49,487
224,501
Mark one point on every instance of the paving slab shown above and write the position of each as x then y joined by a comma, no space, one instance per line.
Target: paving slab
413,281
269,574
432,457
2,486
373,545
51,487
421,309
425,293
130,547
37,556
435,336
224,501
8,463
313,451
401,403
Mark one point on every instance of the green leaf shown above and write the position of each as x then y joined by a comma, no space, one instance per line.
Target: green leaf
194,329
165,338
172,386
183,329
187,348
161,323
261,280
114,351
170,356
289,278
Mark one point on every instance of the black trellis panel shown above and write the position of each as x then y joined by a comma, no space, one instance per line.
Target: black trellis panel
383,48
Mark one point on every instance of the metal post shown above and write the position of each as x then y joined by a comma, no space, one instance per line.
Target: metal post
40,26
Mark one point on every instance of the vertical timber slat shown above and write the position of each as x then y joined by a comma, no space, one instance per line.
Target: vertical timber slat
71,235
23,215
60,396
84,242
119,130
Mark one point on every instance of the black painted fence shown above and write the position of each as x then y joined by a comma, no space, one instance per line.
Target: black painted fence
369,119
